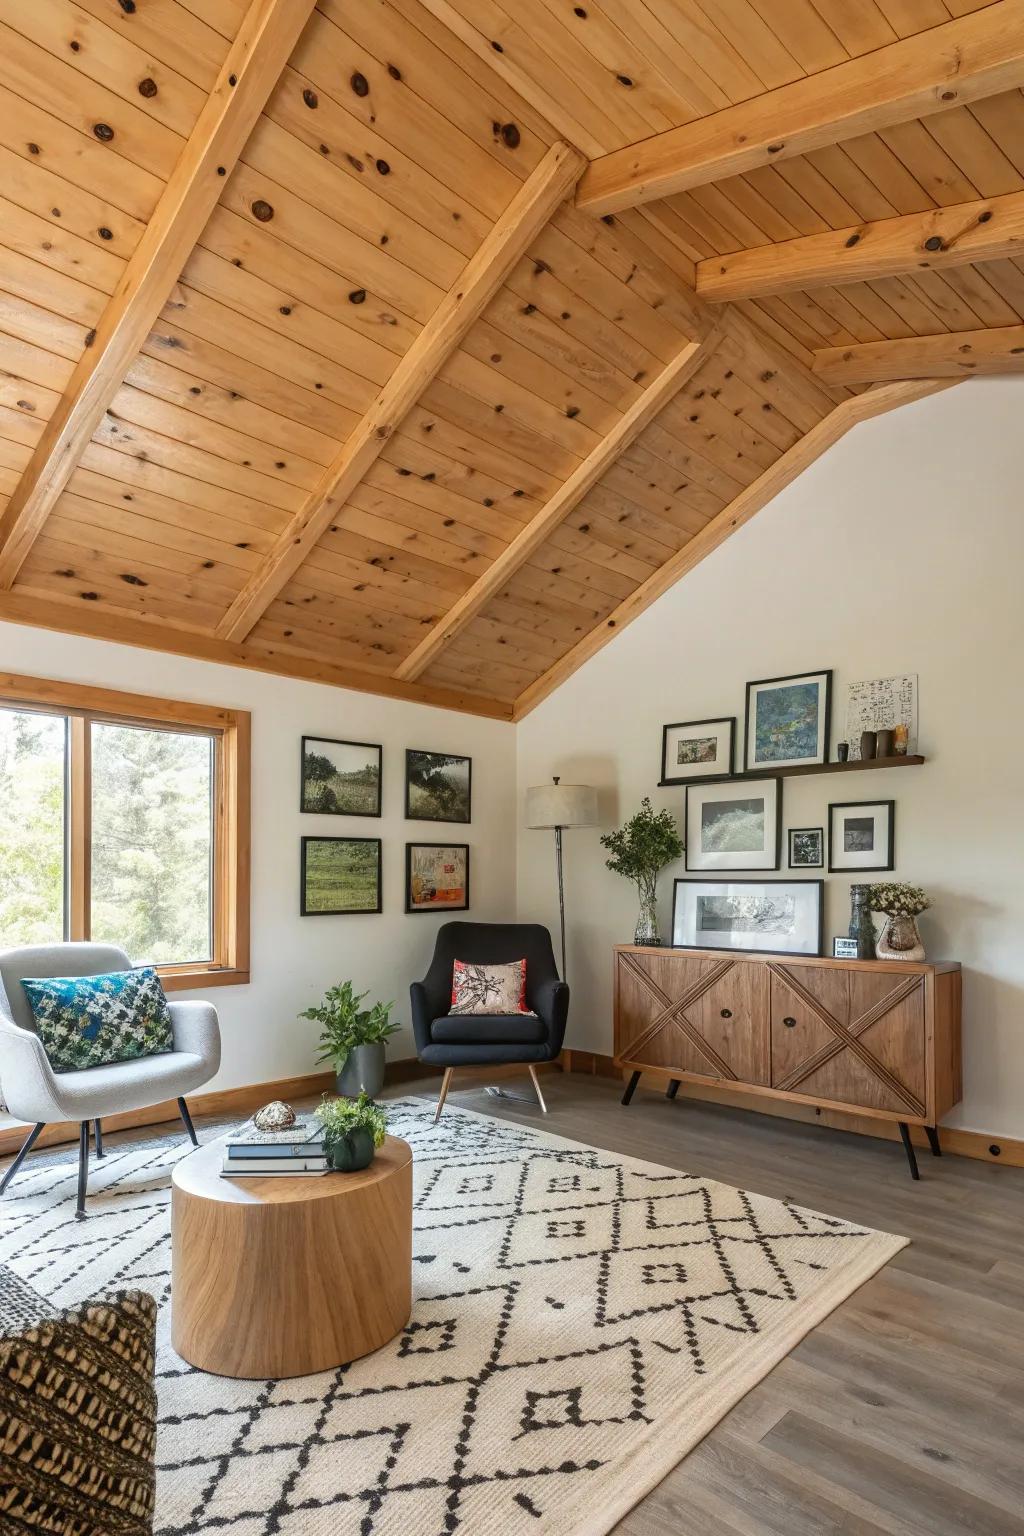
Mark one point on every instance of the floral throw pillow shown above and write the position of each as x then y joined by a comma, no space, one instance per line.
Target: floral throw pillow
88,1021
489,988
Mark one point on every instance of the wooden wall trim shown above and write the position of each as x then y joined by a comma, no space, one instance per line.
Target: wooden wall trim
739,511
976,55
266,37
953,354
484,273
569,494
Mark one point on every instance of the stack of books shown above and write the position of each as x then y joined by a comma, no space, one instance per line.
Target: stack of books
295,1153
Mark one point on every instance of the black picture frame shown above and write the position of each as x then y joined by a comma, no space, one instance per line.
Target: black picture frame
750,780
334,741
819,863
668,780
411,753
751,880
826,744
304,908
861,869
415,911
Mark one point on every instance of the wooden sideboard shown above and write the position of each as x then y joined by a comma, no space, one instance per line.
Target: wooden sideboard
874,1037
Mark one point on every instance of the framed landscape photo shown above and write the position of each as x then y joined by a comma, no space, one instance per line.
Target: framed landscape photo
781,917
436,877
438,786
788,721
861,836
340,875
697,749
806,847
733,825
340,778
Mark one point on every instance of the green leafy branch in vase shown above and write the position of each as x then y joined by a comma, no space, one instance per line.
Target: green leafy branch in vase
345,1023
639,850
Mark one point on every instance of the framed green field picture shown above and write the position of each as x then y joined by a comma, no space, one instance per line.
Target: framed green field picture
340,875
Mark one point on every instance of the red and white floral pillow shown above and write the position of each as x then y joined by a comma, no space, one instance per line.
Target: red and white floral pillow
489,988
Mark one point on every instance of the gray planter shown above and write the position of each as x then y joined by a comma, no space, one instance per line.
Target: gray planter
363,1071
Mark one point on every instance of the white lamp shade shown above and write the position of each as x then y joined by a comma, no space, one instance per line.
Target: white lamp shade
561,805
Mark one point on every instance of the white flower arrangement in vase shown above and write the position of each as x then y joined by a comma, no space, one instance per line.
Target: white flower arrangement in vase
902,905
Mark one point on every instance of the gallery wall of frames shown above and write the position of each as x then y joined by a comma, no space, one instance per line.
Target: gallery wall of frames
340,874
735,833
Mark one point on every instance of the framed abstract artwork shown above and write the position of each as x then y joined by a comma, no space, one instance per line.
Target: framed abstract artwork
697,749
733,825
340,778
806,847
438,786
861,836
773,916
788,721
436,877
340,875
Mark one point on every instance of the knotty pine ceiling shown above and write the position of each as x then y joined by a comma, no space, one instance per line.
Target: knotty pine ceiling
573,440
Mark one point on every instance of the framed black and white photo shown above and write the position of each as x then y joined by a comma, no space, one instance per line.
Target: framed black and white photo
772,916
340,875
733,825
788,721
807,847
698,749
340,778
862,836
436,877
438,786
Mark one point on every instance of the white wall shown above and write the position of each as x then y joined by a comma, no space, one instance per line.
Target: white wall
295,958
902,550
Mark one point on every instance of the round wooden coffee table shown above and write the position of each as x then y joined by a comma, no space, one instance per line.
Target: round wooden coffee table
281,1277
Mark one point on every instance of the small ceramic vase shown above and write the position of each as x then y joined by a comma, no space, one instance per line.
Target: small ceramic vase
900,738
900,939
350,1152
843,752
868,742
883,744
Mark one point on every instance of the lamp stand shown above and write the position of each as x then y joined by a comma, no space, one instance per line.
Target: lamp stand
561,893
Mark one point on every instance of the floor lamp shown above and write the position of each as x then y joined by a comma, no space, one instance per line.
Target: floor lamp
559,806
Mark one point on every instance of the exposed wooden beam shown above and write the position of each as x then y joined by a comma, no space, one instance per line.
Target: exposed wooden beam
739,511
509,239
960,61
951,355
253,65
586,475
984,230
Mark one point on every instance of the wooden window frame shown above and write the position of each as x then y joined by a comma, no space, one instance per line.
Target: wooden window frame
231,733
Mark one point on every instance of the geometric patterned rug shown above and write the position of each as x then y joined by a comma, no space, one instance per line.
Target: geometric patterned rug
580,1321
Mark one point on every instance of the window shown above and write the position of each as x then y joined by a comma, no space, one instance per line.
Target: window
125,820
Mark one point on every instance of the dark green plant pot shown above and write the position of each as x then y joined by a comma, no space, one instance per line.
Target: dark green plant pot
349,1153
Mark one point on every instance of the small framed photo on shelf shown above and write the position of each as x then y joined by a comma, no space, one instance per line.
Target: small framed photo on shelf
807,847
788,721
698,749
844,948
438,787
861,836
436,877
340,875
775,916
733,825
340,778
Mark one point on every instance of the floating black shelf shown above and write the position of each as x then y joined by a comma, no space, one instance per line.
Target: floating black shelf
908,760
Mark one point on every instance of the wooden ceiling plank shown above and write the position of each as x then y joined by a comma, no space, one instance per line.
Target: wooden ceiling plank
750,501
250,70
985,230
461,306
971,57
954,354
569,494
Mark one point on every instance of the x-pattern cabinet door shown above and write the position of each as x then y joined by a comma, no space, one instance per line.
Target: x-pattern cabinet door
705,1016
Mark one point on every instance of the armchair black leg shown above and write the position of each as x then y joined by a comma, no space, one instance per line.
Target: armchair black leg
99,1138
83,1168
908,1147
932,1132
187,1121
25,1149
630,1087
672,1089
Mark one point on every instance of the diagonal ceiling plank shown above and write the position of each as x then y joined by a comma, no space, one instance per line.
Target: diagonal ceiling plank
977,55
586,475
531,208
739,511
983,230
265,39
951,354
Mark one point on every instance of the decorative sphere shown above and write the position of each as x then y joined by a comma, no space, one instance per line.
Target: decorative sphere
274,1117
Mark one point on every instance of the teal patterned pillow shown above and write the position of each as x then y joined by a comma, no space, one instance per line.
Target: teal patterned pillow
88,1021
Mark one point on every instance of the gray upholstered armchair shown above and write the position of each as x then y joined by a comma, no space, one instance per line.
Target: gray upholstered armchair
33,1092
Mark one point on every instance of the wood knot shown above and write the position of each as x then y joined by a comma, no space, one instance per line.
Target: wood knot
510,135
933,243
357,296
360,84
394,72
133,581
262,210
853,240
103,132
311,99
147,87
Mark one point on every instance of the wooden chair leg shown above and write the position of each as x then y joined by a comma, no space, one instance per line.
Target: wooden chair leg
187,1121
83,1168
99,1138
23,1152
536,1088
445,1085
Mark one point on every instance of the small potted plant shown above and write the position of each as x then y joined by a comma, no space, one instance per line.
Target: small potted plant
352,1037
639,851
902,905
353,1130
